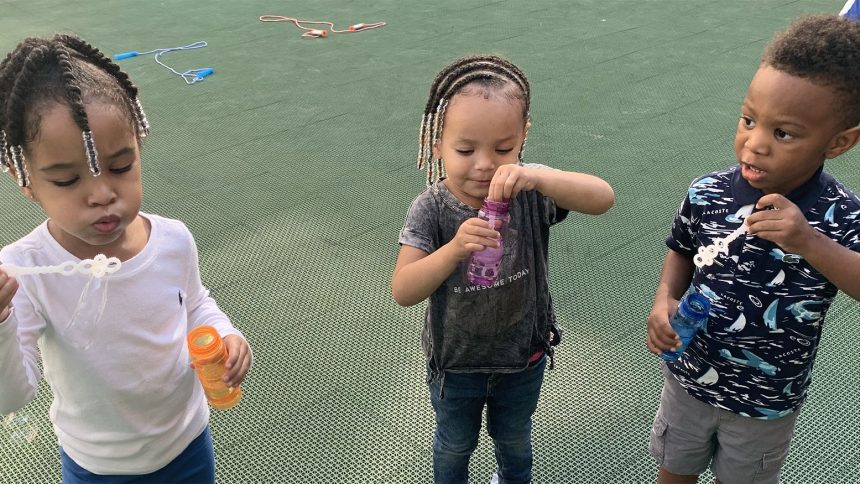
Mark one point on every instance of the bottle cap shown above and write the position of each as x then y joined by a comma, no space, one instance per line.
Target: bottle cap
204,341
497,205
695,305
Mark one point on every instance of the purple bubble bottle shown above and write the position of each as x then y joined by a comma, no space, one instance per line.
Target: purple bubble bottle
484,265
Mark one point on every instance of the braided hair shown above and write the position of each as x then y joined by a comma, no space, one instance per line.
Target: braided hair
67,70
486,73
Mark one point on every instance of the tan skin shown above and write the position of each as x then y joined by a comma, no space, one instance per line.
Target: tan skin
90,215
479,145
786,131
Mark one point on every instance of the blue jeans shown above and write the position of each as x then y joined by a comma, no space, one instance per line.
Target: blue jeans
196,464
511,399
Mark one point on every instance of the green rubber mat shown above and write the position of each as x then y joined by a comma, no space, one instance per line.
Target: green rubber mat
294,165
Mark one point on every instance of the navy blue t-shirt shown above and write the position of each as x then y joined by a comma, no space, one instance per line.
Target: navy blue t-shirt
767,307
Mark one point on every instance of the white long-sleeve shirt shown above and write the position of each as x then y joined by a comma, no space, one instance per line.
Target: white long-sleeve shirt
125,399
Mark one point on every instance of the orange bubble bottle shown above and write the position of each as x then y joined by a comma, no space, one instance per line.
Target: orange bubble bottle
209,355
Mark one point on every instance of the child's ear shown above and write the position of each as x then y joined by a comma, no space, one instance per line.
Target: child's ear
437,151
843,142
28,192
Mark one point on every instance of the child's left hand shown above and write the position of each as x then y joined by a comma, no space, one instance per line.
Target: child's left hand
238,360
510,180
785,225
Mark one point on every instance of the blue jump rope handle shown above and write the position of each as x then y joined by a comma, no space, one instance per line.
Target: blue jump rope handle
125,55
205,72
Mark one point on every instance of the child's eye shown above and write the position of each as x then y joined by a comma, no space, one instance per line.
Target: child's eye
65,183
122,169
465,152
747,122
782,135
504,150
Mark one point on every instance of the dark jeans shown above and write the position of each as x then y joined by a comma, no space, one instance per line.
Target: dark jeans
196,464
510,398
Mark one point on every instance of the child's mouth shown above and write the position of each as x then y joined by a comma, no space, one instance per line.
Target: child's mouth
107,224
751,173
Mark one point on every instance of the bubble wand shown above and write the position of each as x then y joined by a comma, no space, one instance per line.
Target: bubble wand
99,266
707,254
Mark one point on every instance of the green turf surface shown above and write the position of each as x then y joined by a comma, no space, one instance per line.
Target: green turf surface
294,167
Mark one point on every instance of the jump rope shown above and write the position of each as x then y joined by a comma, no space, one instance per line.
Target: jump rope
191,76
312,33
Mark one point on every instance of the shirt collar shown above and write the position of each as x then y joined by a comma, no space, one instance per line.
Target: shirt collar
803,196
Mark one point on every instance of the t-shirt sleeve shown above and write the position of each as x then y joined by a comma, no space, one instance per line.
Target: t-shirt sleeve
19,354
682,238
851,239
552,213
420,229
201,306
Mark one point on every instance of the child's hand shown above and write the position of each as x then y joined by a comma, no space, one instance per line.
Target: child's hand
238,359
785,225
8,288
474,235
661,337
510,180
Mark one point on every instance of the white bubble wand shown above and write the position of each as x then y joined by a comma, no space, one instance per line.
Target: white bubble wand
707,254
99,266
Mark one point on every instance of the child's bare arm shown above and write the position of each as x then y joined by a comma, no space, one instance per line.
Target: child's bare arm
788,228
574,191
674,281
417,274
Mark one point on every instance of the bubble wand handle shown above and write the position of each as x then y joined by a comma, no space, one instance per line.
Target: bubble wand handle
707,254
99,266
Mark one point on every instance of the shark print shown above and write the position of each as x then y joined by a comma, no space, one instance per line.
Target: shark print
802,313
752,360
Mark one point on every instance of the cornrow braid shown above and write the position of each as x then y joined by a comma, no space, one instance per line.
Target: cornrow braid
100,60
15,104
11,64
490,72
76,103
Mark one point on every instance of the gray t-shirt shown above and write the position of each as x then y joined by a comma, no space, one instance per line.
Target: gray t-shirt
486,329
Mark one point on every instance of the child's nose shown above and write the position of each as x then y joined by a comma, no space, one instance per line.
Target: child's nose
485,161
758,141
101,192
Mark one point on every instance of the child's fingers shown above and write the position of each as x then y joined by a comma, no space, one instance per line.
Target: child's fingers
8,287
661,337
236,375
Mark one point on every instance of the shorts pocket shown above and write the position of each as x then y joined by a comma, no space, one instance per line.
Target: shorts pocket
657,443
771,464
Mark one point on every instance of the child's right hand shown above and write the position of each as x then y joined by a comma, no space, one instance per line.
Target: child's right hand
661,337
8,288
474,235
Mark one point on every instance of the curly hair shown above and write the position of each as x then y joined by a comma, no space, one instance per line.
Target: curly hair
825,49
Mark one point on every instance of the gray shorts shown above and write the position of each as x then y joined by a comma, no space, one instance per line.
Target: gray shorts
688,435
